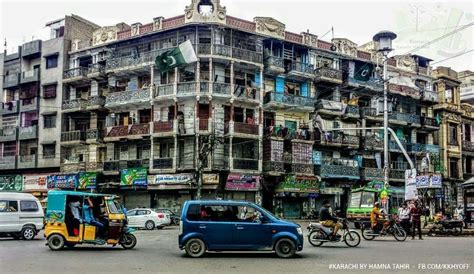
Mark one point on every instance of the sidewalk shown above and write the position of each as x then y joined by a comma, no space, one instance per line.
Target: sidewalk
465,232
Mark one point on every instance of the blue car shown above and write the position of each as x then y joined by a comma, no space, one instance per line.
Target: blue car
218,225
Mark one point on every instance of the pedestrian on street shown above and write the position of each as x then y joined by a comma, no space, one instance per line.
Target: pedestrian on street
415,213
404,216
426,214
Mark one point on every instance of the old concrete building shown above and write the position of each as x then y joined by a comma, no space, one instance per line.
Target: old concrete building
467,86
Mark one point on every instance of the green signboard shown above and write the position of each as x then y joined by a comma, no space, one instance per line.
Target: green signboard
293,183
11,183
87,180
133,176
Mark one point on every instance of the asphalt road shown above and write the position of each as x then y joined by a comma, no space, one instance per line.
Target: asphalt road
157,252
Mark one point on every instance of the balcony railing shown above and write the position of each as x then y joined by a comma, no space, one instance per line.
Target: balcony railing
272,166
163,126
340,139
393,145
371,141
28,104
301,67
372,83
10,107
25,133
26,161
423,148
31,48
221,88
186,88
95,102
204,124
204,49
112,166
8,162
245,128
30,76
144,59
118,131
74,104
467,145
73,136
136,96
140,129
164,90
288,100
11,80
222,50
94,166
429,96
274,64
299,168
373,173
76,72
405,117
73,167
163,163
96,68
369,112
247,55
250,93
8,134
328,74
204,87
94,134
428,121
339,171
228,51
245,164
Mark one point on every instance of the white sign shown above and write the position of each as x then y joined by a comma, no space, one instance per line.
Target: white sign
35,182
411,192
172,179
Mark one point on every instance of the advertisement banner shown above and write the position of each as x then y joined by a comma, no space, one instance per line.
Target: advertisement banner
411,192
133,176
87,180
62,181
172,179
35,182
242,182
436,181
422,181
293,183
210,179
11,183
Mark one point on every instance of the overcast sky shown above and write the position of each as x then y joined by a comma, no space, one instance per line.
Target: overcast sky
415,22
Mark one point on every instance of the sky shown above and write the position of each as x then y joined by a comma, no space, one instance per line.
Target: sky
416,22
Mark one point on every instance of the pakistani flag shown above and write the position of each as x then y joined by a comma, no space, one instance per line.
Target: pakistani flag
183,54
362,71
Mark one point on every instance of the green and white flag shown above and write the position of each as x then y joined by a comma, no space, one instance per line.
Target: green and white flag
183,54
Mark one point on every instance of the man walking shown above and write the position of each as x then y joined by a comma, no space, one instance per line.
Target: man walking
415,213
404,216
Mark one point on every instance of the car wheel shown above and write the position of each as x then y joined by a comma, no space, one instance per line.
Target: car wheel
195,248
28,233
56,242
285,248
150,225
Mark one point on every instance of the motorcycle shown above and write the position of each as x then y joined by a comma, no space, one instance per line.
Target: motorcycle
448,227
394,228
319,234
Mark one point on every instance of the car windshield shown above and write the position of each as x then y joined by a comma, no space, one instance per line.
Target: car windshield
266,212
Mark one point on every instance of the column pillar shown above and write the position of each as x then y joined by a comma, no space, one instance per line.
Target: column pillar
211,77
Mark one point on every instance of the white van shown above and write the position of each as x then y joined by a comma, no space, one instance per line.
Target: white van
21,215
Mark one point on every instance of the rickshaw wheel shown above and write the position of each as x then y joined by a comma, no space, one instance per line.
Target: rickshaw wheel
129,241
56,242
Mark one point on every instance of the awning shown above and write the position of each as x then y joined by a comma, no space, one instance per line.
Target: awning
49,83
469,183
51,54
170,187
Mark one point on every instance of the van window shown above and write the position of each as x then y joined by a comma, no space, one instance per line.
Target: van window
248,214
193,213
8,206
214,213
28,206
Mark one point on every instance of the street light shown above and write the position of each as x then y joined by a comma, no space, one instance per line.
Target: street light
383,44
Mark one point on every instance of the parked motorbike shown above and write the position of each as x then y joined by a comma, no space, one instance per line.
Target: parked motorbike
448,227
319,234
394,228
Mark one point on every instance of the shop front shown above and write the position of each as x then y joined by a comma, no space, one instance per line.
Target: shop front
133,187
11,183
295,196
210,186
243,187
430,191
468,200
171,190
36,185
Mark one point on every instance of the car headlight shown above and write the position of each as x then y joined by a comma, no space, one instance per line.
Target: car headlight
299,230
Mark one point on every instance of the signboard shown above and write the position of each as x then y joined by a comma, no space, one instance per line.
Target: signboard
429,181
11,183
87,180
35,182
210,179
411,192
62,181
293,183
242,182
133,176
172,179
436,181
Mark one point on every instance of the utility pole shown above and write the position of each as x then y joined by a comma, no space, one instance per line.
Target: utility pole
206,146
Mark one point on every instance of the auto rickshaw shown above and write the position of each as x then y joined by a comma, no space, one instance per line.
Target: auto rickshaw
86,218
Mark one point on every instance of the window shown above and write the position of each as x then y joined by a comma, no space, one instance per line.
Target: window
49,151
453,168
448,94
9,149
28,206
453,135
8,206
51,61
49,91
131,213
49,121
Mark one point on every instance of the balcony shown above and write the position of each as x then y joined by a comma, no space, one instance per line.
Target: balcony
302,169
28,104
73,167
273,65
26,161
137,131
97,72
162,164
334,108
95,103
423,148
132,64
132,98
339,171
340,140
371,114
429,96
467,145
113,166
373,143
76,75
228,51
10,107
328,75
273,167
393,146
188,88
247,94
372,84
372,173
247,55
241,129
428,123
116,133
31,49
94,135
164,91
25,133
8,134
30,76
245,164
11,80
397,171
74,105
8,162
94,166
300,71
138,163
221,89
404,118
73,137
204,87
281,101
163,128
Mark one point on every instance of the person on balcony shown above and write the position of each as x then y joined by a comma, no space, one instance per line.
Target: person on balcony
181,128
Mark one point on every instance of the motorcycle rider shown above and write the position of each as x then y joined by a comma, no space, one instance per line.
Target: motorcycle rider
328,220
376,217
